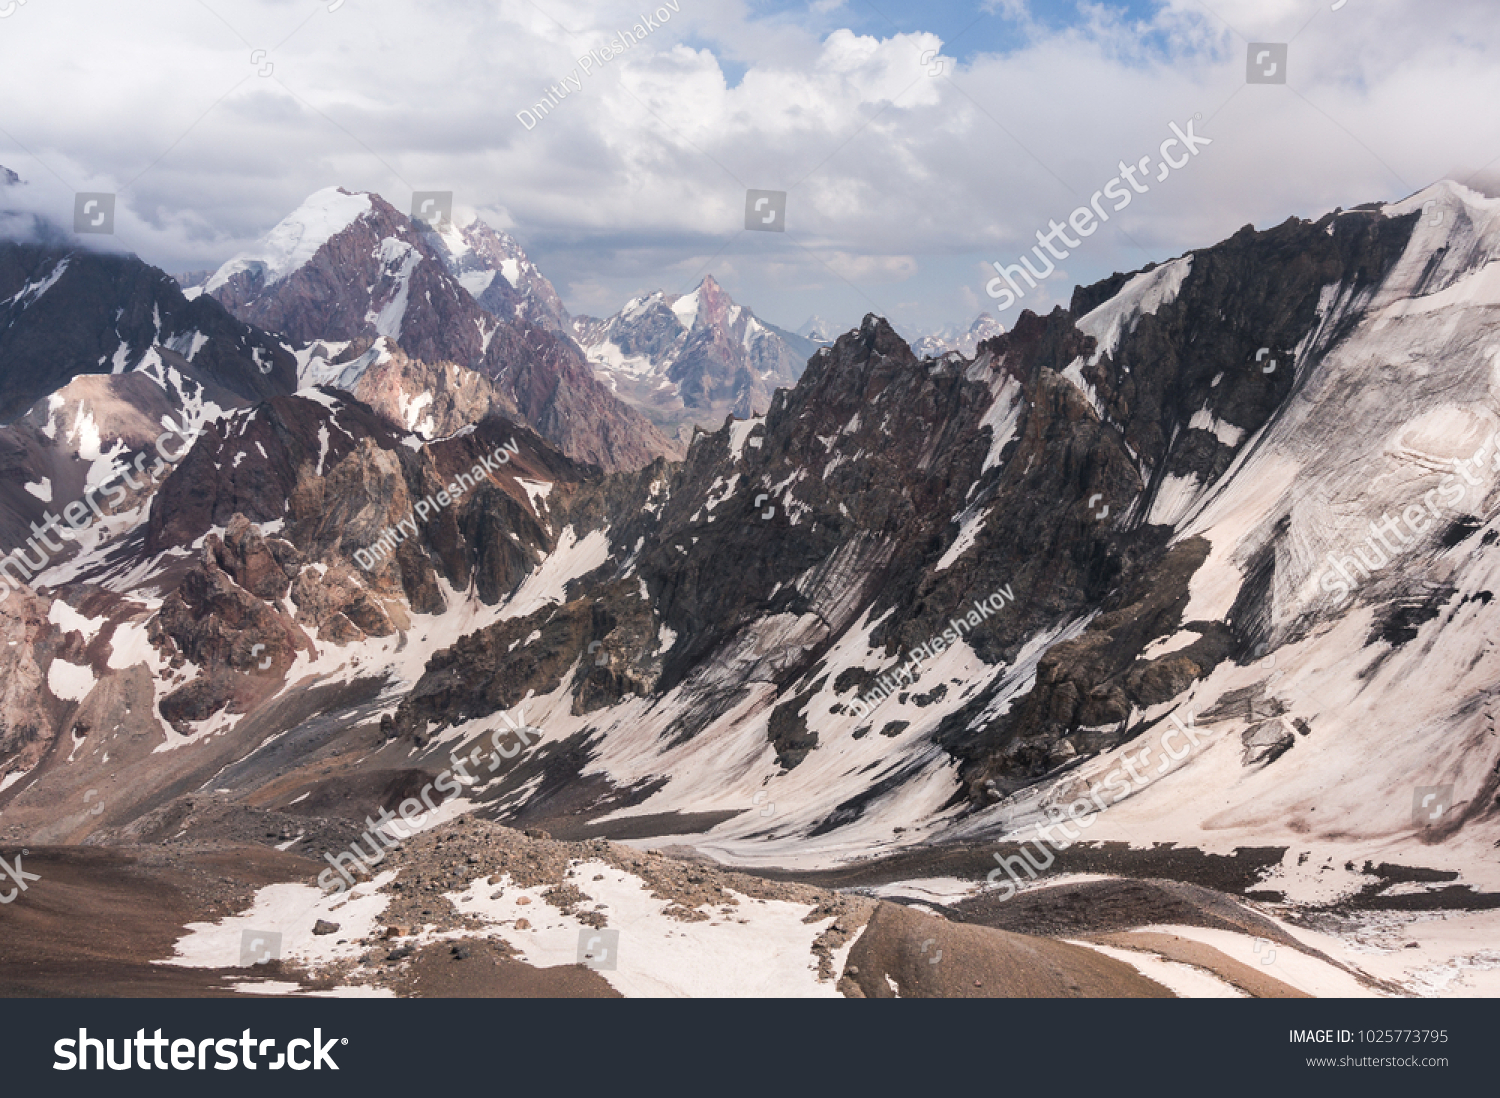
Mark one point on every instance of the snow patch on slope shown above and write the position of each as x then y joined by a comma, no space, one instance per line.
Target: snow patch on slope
660,955
1141,296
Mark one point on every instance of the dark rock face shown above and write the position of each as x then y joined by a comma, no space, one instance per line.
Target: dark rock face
210,616
1174,362
1253,291
490,671
252,464
336,477
64,313
333,478
384,276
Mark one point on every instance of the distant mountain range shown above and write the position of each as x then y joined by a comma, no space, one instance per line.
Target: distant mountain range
819,331
347,269
694,358
965,341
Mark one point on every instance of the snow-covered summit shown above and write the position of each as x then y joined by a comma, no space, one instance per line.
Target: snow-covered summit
297,237
693,357
953,337
493,267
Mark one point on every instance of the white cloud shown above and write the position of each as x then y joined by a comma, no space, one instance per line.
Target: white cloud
877,269
638,176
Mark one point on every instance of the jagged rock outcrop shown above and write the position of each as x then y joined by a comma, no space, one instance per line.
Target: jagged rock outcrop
495,269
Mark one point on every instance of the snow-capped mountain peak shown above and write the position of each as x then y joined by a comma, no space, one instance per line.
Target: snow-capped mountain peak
1456,237
818,330
297,237
351,269
491,264
692,358
955,338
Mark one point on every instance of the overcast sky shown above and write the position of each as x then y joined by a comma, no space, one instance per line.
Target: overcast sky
916,142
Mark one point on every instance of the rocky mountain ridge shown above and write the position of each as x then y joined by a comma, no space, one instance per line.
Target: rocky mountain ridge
349,268
691,359
1022,566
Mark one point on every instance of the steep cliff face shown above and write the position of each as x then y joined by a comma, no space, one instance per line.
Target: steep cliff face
1187,363
432,399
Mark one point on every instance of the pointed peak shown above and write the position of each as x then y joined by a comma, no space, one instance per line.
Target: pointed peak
298,236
